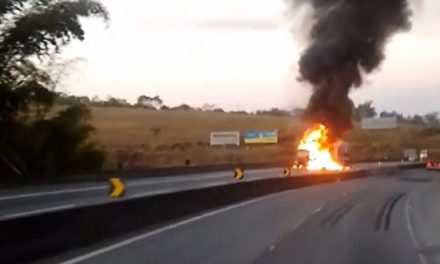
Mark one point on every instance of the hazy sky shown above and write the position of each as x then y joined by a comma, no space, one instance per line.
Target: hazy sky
238,54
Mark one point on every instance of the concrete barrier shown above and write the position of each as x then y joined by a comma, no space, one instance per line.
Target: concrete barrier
38,236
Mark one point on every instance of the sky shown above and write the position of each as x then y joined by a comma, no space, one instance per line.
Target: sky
237,54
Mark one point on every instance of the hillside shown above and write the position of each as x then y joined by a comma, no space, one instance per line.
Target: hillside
141,138
168,138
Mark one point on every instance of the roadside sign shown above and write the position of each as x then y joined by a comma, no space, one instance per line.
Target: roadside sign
117,188
286,172
224,138
261,137
377,123
238,174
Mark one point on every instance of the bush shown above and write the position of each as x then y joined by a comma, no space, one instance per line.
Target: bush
49,147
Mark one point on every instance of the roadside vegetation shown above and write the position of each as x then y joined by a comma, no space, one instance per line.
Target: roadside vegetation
34,144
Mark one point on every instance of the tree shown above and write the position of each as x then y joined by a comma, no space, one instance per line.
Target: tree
30,144
183,107
157,102
417,120
273,112
218,110
116,102
398,116
364,110
432,118
208,107
149,102
144,101
64,99
165,108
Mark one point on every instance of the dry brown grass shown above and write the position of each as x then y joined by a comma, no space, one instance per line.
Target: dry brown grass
144,138
132,127
168,138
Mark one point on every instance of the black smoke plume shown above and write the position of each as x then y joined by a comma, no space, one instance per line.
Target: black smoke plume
346,41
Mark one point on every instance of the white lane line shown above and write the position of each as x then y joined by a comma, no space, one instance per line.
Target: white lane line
36,194
410,227
38,211
162,191
217,183
132,240
317,210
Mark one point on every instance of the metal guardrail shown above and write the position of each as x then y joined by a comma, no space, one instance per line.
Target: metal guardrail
155,172
38,236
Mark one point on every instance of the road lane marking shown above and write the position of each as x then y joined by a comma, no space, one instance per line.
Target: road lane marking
151,193
38,211
36,194
317,210
214,184
132,240
412,235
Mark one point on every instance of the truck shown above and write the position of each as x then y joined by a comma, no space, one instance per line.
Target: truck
433,159
410,155
423,155
339,151
301,159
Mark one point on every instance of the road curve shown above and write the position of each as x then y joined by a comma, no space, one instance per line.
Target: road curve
31,200
389,219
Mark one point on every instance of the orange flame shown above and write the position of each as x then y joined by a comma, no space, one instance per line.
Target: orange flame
315,141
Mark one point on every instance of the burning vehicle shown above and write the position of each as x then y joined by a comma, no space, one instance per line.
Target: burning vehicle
316,152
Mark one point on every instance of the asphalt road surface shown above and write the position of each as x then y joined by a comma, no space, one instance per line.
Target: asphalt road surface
26,201
383,219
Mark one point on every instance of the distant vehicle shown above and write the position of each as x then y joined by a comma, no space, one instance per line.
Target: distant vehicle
423,155
433,159
410,154
301,160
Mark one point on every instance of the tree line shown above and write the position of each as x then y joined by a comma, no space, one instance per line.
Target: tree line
362,110
156,103
367,109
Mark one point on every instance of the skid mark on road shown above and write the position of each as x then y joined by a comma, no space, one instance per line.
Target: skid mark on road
334,217
383,219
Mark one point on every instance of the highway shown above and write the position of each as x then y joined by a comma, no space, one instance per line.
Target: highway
32,200
383,219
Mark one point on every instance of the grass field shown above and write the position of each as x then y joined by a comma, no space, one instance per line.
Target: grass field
148,138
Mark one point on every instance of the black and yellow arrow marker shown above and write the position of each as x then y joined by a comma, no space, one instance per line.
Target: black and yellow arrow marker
286,172
117,188
238,174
